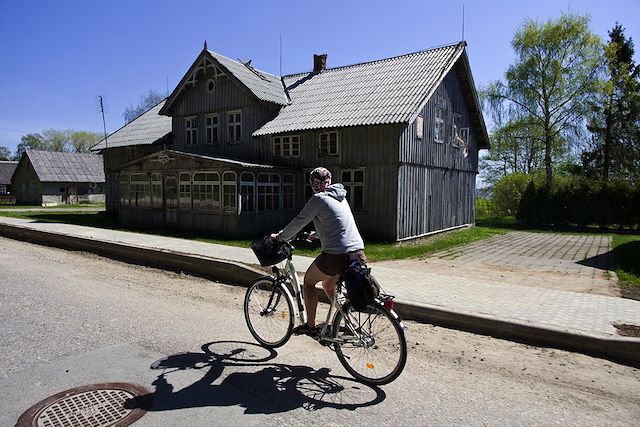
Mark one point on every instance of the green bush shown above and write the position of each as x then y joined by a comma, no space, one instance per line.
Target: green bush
484,208
582,202
507,193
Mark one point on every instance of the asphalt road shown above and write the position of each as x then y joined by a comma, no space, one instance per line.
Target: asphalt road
71,319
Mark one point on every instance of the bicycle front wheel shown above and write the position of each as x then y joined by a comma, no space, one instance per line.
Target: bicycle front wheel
268,312
370,344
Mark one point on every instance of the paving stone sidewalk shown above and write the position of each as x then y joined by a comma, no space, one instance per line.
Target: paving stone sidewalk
582,313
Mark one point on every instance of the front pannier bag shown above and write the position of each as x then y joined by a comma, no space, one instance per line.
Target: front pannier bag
362,288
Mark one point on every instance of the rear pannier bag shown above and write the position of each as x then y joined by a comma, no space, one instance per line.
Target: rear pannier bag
362,288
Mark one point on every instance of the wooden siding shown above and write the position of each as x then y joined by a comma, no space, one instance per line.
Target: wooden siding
371,148
436,181
227,96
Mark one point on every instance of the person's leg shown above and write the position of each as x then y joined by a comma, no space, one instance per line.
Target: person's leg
329,285
311,278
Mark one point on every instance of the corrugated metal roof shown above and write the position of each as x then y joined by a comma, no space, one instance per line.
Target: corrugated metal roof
53,166
146,129
264,86
6,171
379,92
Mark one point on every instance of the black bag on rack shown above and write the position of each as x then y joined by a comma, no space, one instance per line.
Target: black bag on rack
362,288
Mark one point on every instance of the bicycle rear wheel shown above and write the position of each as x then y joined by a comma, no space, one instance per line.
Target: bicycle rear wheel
372,346
268,312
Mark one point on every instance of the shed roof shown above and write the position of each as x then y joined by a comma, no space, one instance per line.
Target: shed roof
146,129
379,92
6,171
53,166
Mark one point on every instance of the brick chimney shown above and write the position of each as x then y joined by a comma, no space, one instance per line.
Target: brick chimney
319,62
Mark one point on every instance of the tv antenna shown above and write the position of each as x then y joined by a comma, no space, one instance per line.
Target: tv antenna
462,21
104,123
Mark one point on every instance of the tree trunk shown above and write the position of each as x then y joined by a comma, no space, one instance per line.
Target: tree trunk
547,151
607,144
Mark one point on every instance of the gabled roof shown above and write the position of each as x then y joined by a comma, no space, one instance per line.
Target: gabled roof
6,171
53,166
146,129
262,85
386,91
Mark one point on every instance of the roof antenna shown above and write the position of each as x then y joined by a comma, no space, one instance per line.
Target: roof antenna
205,44
462,21
280,54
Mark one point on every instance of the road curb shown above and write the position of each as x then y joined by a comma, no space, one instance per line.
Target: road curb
623,350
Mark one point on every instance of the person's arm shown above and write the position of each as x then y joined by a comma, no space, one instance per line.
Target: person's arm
305,216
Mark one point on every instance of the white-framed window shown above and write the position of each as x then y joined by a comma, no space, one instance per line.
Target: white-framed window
247,192
353,181
229,192
3,189
140,190
268,192
191,130
287,192
438,126
286,146
328,144
419,126
234,126
464,137
206,191
184,190
211,127
123,186
156,190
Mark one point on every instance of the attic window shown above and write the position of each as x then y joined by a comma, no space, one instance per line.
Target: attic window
419,126
211,85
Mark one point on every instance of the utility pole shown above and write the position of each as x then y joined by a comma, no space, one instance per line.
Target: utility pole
104,123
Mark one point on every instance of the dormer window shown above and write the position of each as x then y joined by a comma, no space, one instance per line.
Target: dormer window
328,144
191,130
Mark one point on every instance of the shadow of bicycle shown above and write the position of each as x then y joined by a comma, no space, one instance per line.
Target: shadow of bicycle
254,383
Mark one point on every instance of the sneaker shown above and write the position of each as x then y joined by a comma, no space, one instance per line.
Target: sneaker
305,329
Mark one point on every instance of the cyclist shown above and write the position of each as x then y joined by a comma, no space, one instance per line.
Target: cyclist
341,241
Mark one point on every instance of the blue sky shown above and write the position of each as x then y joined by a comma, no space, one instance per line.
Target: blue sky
59,56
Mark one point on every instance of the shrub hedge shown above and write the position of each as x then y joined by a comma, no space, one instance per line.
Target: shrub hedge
582,202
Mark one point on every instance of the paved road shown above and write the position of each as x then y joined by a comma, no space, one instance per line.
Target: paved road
71,319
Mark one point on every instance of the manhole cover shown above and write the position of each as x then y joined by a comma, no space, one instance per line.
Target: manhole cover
95,405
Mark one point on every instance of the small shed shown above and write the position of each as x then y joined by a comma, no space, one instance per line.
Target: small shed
50,178
6,172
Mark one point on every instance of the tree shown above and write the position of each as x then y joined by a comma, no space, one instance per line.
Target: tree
81,141
57,140
147,101
32,141
614,125
551,82
5,153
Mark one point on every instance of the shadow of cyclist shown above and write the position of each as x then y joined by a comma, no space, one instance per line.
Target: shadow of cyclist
274,388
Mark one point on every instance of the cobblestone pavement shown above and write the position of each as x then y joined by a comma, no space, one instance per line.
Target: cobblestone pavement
576,263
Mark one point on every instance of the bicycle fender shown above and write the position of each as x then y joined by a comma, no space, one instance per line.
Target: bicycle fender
397,319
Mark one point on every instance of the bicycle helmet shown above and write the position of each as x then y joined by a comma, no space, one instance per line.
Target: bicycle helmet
320,179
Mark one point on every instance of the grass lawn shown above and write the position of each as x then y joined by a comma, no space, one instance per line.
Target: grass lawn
626,249
61,206
376,251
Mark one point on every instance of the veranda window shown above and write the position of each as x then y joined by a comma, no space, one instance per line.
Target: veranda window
140,192
206,191
229,192
247,192
287,192
184,191
156,190
123,186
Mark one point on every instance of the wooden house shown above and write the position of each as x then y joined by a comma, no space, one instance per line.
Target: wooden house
51,178
6,172
229,151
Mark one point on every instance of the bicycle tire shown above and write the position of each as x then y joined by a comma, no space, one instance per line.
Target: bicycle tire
385,355
268,312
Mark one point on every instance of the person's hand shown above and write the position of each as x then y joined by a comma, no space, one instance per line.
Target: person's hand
312,236
273,236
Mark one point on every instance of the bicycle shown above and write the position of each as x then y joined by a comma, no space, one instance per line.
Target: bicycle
370,343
